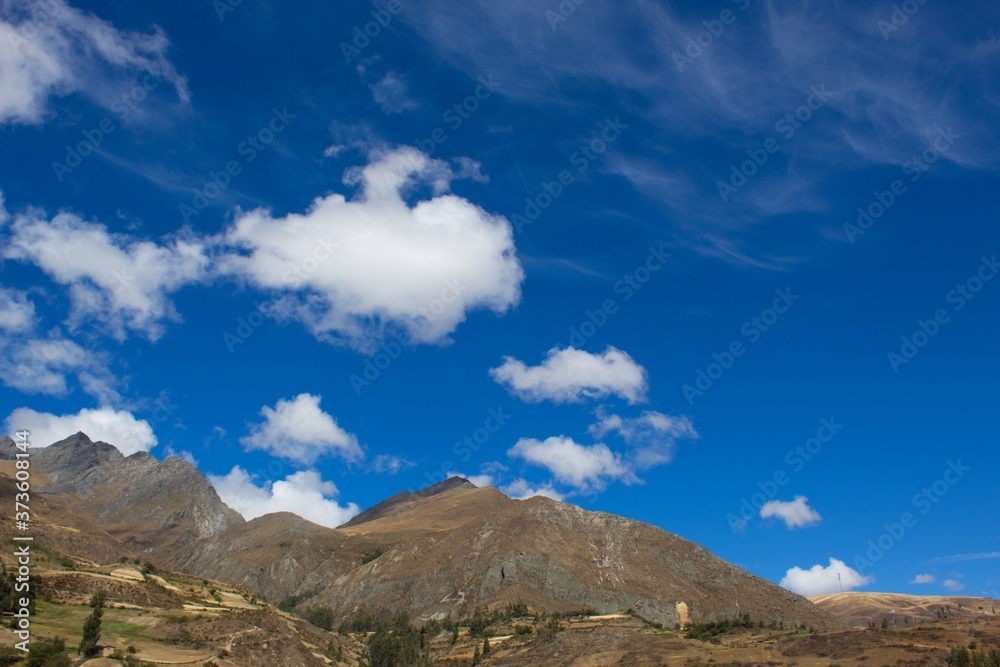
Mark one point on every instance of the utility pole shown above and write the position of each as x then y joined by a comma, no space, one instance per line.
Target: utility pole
841,583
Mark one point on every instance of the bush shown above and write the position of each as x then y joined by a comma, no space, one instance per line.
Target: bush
48,653
363,620
321,617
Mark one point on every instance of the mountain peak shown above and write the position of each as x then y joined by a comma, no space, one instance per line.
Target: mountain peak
407,499
453,482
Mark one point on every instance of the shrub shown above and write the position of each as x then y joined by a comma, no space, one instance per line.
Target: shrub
48,653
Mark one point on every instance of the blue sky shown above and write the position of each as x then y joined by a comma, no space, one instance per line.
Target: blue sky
728,269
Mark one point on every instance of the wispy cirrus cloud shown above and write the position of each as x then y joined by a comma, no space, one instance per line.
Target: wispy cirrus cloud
886,98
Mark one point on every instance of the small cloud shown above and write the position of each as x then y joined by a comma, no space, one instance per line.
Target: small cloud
390,94
923,579
298,430
587,468
795,513
819,580
387,463
953,584
570,375
652,435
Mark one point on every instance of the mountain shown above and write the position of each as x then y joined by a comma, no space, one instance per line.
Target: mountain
449,548
159,509
858,609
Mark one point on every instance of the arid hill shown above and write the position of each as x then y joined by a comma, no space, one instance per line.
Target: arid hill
858,609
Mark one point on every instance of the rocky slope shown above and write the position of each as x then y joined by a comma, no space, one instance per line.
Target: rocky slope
159,509
447,549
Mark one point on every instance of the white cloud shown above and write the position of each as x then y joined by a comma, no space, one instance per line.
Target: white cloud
923,579
584,467
953,584
795,513
388,463
304,493
350,269
571,375
819,580
123,283
17,313
119,428
390,94
521,489
653,435
48,48
298,430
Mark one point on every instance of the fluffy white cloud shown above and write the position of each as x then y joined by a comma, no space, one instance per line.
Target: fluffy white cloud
304,493
350,269
953,584
48,48
585,467
571,375
521,489
123,283
298,430
923,579
119,428
819,580
795,513
652,435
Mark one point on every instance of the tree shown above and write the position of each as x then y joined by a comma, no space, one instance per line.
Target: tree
885,623
476,657
92,627
486,646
